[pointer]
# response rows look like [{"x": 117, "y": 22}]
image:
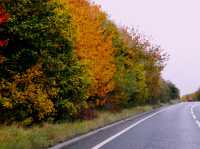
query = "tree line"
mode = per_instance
[
  {"x": 62, "y": 59},
  {"x": 195, "y": 96}
]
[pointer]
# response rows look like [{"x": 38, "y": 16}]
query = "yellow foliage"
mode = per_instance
[
  {"x": 28, "y": 89},
  {"x": 7, "y": 105}
]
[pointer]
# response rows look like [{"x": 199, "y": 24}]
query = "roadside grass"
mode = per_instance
[{"x": 39, "y": 137}]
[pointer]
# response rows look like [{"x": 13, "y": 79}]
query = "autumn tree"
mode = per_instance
[
  {"x": 94, "y": 47},
  {"x": 62, "y": 58},
  {"x": 40, "y": 75},
  {"x": 130, "y": 76},
  {"x": 195, "y": 96}
]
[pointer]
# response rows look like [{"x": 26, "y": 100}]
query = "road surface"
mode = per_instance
[{"x": 174, "y": 127}]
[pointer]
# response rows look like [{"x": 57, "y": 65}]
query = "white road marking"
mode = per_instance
[
  {"x": 198, "y": 123},
  {"x": 192, "y": 112},
  {"x": 125, "y": 130},
  {"x": 194, "y": 116}
]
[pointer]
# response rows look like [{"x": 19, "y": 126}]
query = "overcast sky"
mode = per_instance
[{"x": 172, "y": 24}]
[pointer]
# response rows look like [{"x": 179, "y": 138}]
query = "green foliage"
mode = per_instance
[
  {"x": 37, "y": 35},
  {"x": 130, "y": 75},
  {"x": 165, "y": 92},
  {"x": 168, "y": 91},
  {"x": 174, "y": 91}
]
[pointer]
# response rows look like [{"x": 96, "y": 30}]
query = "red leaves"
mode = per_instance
[
  {"x": 4, "y": 16},
  {"x": 3, "y": 43}
]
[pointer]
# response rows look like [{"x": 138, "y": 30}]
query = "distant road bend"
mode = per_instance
[{"x": 174, "y": 127}]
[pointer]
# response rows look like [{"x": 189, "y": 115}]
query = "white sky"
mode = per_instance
[{"x": 172, "y": 24}]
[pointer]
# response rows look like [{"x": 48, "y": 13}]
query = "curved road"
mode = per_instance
[{"x": 174, "y": 127}]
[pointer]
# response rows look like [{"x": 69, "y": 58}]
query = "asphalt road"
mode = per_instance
[{"x": 174, "y": 127}]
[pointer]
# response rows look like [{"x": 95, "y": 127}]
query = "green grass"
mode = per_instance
[{"x": 13, "y": 137}]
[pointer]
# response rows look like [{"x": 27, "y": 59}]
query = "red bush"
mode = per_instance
[
  {"x": 4, "y": 16},
  {"x": 3, "y": 43}
]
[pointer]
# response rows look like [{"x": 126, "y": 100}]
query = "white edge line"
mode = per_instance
[
  {"x": 125, "y": 130},
  {"x": 73, "y": 140}
]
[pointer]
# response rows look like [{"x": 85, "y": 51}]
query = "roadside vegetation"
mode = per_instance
[
  {"x": 192, "y": 97},
  {"x": 46, "y": 135},
  {"x": 64, "y": 61}
]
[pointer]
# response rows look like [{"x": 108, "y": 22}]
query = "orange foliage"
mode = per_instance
[{"x": 94, "y": 46}]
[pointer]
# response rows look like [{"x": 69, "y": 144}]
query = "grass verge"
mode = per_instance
[{"x": 37, "y": 137}]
